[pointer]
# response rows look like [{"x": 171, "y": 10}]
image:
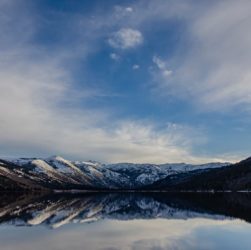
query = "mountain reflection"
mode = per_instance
[{"x": 57, "y": 210}]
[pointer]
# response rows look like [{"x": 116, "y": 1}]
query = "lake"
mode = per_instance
[{"x": 125, "y": 221}]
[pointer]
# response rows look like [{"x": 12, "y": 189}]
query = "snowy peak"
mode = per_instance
[
  {"x": 55, "y": 172},
  {"x": 55, "y": 158}
]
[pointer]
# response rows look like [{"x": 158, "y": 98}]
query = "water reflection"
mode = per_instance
[{"x": 54, "y": 211}]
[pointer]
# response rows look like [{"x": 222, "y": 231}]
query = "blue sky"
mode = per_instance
[{"x": 137, "y": 81}]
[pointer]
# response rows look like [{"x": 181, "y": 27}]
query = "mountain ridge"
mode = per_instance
[{"x": 57, "y": 173}]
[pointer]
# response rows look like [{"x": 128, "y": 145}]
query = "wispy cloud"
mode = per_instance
[
  {"x": 135, "y": 66},
  {"x": 222, "y": 55},
  {"x": 162, "y": 66},
  {"x": 114, "y": 56},
  {"x": 122, "y": 11},
  {"x": 213, "y": 71},
  {"x": 35, "y": 119}
]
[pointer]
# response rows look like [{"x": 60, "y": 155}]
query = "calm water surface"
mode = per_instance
[{"x": 125, "y": 221}]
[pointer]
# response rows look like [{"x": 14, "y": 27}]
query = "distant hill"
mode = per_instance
[{"x": 235, "y": 178}]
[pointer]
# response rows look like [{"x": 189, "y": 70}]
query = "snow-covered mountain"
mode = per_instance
[{"x": 58, "y": 173}]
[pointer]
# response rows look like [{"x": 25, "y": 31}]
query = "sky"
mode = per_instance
[{"x": 126, "y": 81}]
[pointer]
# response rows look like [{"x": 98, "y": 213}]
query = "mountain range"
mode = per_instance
[{"x": 58, "y": 174}]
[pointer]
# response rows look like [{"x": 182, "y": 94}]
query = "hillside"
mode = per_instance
[{"x": 235, "y": 177}]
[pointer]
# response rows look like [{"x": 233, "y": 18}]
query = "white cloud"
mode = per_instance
[
  {"x": 129, "y": 9},
  {"x": 114, "y": 56},
  {"x": 135, "y": 66},
  {"x": 122, "y": 11},
  {"x": 167, "y": 72},
  {"x": 125, "y": 38},
  {"x": 162, "y": 66}
]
